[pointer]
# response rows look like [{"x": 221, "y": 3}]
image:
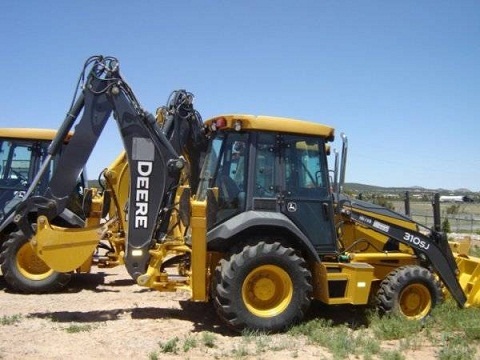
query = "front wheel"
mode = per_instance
[
  {"x": 24, "y": 271},
  {"x": 410, "y": 291},
  {"x": 264, "y": 287}
]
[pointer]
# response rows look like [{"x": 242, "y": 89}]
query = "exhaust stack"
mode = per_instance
[{"x": 343, "y": 165}]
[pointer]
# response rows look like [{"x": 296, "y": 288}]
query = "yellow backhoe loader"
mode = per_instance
[
  {"x": 22, "y": 152},
  {"x": 260, "y": 230}
]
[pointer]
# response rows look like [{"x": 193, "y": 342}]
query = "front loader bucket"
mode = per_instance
[{"x": 469, "y": 278}]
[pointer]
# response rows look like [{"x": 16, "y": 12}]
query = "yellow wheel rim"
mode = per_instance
[
  {"x": 30, "y": 265},
  {"x": 415, "y": 301},
  {"x": 267, "y": 291}
]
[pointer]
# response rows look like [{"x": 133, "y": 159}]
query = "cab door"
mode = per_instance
[{"x": 306, "y": 197}]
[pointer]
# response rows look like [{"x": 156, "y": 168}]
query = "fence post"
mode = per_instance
[
  {"x": 407, "y": 203},
  {"x": 437, "y": 222}
]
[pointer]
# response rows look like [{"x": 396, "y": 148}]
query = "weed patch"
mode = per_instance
[
  {"x": 10, "y": 320},
  {"x": 76, "y": 328}
]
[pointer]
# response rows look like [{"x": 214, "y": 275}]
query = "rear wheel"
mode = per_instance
[
  {"x": 410, "y": 291},
  {"x": 24, "y": 271},
  {"x": 264, "y": 287}
]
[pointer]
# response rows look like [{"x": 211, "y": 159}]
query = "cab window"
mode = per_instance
[
  {"x": 304, "y": 166},
  {"x": 231, "y": 176}
]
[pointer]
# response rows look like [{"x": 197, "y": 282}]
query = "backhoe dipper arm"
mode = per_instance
[
  {"x": 154, "y": 163},
  {"x": 434, "y": 248}
]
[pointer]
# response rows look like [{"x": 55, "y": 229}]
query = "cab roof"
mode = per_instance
[{"x": 273, "y": 123}]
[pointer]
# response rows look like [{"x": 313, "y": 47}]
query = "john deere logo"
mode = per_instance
[{"x": 291, "y": 207}]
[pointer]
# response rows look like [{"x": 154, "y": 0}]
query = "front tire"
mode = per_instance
[
  {"x": 25, "y": 272},
  {"x": 264, "y": 287},
  {"x": 409, "y": 291}
]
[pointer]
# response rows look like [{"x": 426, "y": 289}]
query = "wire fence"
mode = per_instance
[
  {"x": 460, "y": 223},
  {"x": 466, "y": 219}
]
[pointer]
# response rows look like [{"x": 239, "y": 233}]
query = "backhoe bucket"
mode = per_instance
[{"x": 64, "y": 249}]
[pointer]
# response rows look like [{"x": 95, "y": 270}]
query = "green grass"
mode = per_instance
[
  {"x": 153, "y": 356},
  {"x": 189, "y": 343},
  {"x": 392, "y": 355},
  {"x": 170, "y": 346},
  {"x": 454, "y": 332},
  {"x": 340, "y": 340},
  {"x": 454, "y": 347},
  {"x": 208, "y": 339},
  {"x": 76, "y": 328},
  {"x": 392, "y": 327},
  {"x": 10, "y": 320}
]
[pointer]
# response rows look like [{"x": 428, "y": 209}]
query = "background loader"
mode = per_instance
[
  {"x": 22, "y": 152},
  {"x": 260, "y": 231}
]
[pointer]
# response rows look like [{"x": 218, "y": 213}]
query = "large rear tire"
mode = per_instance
[
  {"x": 409, "y": 291},
  {"x": 25, "y": 272},
  {"x": 264, "y": 287}
]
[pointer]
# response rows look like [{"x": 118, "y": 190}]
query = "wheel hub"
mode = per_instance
[
  {"x": 415, "y": 301},
  {"x": 267, "y": 291}
]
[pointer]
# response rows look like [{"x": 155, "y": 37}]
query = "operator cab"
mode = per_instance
[
  {"x": 22, "y": 151},
  {"x": 269, "y": 168}
]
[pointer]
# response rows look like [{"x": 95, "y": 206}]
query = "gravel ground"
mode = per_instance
[{"x": 106, "y": 315}]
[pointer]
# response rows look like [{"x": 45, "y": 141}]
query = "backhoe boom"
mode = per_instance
[{"x": 154, "y": 156}]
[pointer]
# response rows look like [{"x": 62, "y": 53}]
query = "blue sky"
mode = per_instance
[{"x": 400, "y": 78}]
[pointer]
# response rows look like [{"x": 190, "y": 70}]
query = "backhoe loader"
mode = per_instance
[
  {"x": 261, "y": 231},
  {"x": 21, "y": 154}
]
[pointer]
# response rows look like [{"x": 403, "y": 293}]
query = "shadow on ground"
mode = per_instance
[{"x": 202, "y": 316}]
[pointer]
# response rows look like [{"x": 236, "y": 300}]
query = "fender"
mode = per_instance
[{"x": 217, "y": 238}]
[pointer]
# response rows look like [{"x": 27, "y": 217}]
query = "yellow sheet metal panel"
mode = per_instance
[
  {"x": 273, "y": 123},
  {"x": 354, "y": 282},
  {"x": 29, "y": 133}
]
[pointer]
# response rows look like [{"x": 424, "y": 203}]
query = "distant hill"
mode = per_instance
[
  {"x": 357, "y": 187},
  {"x": 364, "y": 188}
]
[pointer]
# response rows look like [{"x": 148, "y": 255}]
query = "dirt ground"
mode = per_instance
[{"x": 106, "y": 315}]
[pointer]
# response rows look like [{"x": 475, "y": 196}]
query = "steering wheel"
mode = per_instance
[{"x": 19, "y": 175}]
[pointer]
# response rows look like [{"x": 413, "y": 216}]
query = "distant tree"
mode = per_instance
[
  {"x": 446, "y": 226},
  {"x": 453, "y": 209},
  {"x": 383, "y": 202}
]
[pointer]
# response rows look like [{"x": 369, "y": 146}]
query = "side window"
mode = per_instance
[
  {"x": 15, "y": 159},
  {"x": 305, "y": 168},
  {"x": 265, "y": 166},
  {"x": 20, "y": 163}
]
